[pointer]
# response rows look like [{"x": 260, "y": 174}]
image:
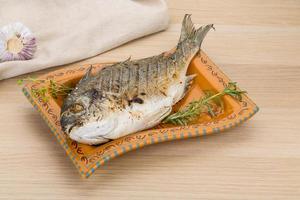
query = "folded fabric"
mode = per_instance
[{"x": 67, "y": 31}]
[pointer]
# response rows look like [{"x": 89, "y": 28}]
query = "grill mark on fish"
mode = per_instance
[
  {"x": 167, "y": 69},
  {"x": 147, "y": 75},
  {"x": 125, "y": 78},
  {"x": 132, "y": 80},
  {"x": 137, "y": 78},
  {"x": 171, "y": 68},
  {"x": 182, "y": 50},
  {"x": 180, "y": 60},
  {"x": 120, "y": 78},
  {"x": 163, "y": 74},
  {"x": 150, "y": 76},
  {"x": 163, "y": 71},
  {"x": 157, "y": 73},
  {"x": 106, "y": 79},
  {"x": 115, "y": 80},
  {"x": 172, "y": 65},
  {"x": 142, "y": 77},
  {"x": 110, "y": 80},
  {"x": 140, "y": 80},
  {"x": 99, "y": 83}
]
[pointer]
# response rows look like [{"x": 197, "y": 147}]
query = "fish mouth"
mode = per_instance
[
  {"x": 67, "y": 123},
  {"x": 66, "y": 127}
]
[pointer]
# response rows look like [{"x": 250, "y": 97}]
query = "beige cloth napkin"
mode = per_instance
[{"x": 69, "y": 31}]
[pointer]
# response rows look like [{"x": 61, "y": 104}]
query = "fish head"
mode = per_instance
[
  {"x": 86, "y": 117},
  {"x": 74, "y": 112},
  {"x": 76, "y": 105}
]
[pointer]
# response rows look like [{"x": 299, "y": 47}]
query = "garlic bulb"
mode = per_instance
[{"x": 16, "y": 43}]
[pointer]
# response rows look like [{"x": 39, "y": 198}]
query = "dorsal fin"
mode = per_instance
[
  {"x": 128, "y": 59},
  {"x": 87, "y": 75},
  {"x": 122, "y": 62},
  {"x": 187, "y": 29}
]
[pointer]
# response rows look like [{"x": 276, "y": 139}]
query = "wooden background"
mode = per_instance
[{"x": 257, "y": 43}]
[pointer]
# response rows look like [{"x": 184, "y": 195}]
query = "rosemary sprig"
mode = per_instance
[
  {"x": 205, "y": 104},
  {"x": 54, "y": 89}
]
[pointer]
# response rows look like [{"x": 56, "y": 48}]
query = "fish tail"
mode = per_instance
[
  {"x": 188, "y": 31},
  {"x": 201, "y": 33}
]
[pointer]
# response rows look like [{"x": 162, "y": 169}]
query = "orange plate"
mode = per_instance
[{"x": 88, "y": 158}]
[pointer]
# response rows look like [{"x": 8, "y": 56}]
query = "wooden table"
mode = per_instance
[{"x": 257, "y": 43}]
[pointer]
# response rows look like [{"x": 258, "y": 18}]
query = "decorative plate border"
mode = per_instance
[{"x": 87, "y": 163}]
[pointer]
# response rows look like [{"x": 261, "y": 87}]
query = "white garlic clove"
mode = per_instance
[{"x": 16, "y": 43}]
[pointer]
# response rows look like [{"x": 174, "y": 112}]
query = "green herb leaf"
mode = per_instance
[
  {"x": 55, "y": 89},
  {"x": 20, "y": 81},
  {"x": 195, "y": 108}
]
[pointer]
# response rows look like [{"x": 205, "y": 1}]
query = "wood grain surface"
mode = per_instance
[{"x": 257, "y": 44}]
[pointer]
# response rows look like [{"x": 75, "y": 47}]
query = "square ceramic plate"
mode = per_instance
[{"x": 88, "y": 158}]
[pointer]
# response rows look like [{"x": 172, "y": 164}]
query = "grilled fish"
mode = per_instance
[{"x": 131, "y": 95}]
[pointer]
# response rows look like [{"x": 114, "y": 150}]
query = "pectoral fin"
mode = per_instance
[
  {"x": 158, "y": 116},
  {"x": 188, "y": 83}
]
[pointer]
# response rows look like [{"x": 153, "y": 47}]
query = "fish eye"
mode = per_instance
[{"x": 76, "y": 108}]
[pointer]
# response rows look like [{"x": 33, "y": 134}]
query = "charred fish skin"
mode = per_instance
[{"x": 132, "y": 95}]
